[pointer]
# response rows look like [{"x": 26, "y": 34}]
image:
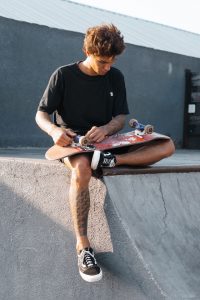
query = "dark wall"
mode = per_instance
[
  {"x": 29, "y": 53},
  {"x": 156, "y": 87}
]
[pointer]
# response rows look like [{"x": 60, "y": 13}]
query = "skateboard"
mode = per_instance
[{"x": 141, "y": 134}]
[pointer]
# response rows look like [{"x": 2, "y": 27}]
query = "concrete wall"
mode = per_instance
[
  {"x": 37, "y": 245},
  {"x": 144, "y": 229},
  {"x": 29, "y": 53}
]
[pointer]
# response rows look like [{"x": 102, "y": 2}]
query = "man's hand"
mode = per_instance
[
  {"x": 96, "y": 134},
  {"x": 61, "y": 136}
]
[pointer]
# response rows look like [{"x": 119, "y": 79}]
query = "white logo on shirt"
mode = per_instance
[{"x": 111, "y": 94}]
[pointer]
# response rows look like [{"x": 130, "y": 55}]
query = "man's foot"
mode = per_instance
[
  {"x": 102, "y": 159},
  {"x": 88, "y": 268}
]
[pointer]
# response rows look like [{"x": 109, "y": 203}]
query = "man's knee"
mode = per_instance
[
  {"x": 168, "y": 148},
  {"x": 81, "y": 171}
]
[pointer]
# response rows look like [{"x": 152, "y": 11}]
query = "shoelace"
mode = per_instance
[{"x": 89, "y": 259}]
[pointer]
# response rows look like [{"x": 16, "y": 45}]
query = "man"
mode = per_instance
[{"x": 89, "y": 98}]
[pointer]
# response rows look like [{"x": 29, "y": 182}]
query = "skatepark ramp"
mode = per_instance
[
  {"x": 144, "y": 227},
  {"x": 161, "y": 216}
]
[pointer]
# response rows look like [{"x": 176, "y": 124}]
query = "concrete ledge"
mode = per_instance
[
  {"x": 181, "y": 161},
  {"x": 139, "y": 225},
  {"x": 37, "y": 246},
  {"x": 125, "y": 170}
]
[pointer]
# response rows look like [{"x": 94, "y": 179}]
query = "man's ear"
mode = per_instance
[{"x": 87, "y": 53}]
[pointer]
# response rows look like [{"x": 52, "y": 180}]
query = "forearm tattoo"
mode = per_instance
[{"x": 80, "y": 205}]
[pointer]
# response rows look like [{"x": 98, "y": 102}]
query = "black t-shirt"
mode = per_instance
[{"x": 81, "y": 101}]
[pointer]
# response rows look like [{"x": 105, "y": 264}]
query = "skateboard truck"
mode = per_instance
[
  {"x": 139, "y": 128},
  {"x": 83, "y": 142}
]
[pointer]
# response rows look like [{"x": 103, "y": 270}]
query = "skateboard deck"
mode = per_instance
[{"x": 112, "y": 142}]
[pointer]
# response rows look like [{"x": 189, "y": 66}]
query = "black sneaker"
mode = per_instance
[
  {"x": 88, "y": 268},
  {"x": 102, "y": 159}
]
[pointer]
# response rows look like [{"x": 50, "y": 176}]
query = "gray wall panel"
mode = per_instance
[{"x": 29, "y": 53}]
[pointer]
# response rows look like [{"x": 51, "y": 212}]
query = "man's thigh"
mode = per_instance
[{"x": 75, "y": 160}]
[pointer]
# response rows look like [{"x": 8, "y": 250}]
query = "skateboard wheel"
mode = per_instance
[
  {"x": 148, "y": 129},
  {"x": 83, "y": 141},
  {"x": 133, "y": 123}
]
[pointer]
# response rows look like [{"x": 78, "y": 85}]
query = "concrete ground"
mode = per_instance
[{"x": 144, "y": 226}]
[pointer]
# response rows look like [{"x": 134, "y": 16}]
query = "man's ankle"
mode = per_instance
[
  {"x": 79, "y": 249},
  {"x": 82, "y": 245}
]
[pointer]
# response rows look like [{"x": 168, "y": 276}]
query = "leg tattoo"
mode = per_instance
[{"x": 80, "y": 204}]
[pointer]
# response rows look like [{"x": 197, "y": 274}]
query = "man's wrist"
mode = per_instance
[
  {"x": 106, "y": 130},
  {"x": 110, "y": 129}
]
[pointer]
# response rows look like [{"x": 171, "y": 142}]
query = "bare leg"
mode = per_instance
[
  {"x": 147, "y": 155},
  {"x": 79, "y": 198}
]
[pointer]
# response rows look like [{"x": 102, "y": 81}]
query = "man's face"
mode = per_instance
[{"x": 100, "y": 64}]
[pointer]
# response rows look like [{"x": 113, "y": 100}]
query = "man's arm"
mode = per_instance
[
  {"x": 98, "y": 134},
  {"x": 115, "y": 125},
  {"x": 60, "y": 136}
]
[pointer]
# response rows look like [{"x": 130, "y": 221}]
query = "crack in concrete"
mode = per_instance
[
  {"x": 164, "y": 205},
  {"x": 179, "y": 189}
]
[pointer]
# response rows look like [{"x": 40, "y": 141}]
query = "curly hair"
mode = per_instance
[{"x": 104, "y": 40}]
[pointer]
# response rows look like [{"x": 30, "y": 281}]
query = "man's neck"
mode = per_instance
[{"x": 85, "y": 67}]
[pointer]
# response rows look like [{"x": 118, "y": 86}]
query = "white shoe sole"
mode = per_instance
[
  {"x": 91, "y": 278},
  {"x": 95, "y": 159}
]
